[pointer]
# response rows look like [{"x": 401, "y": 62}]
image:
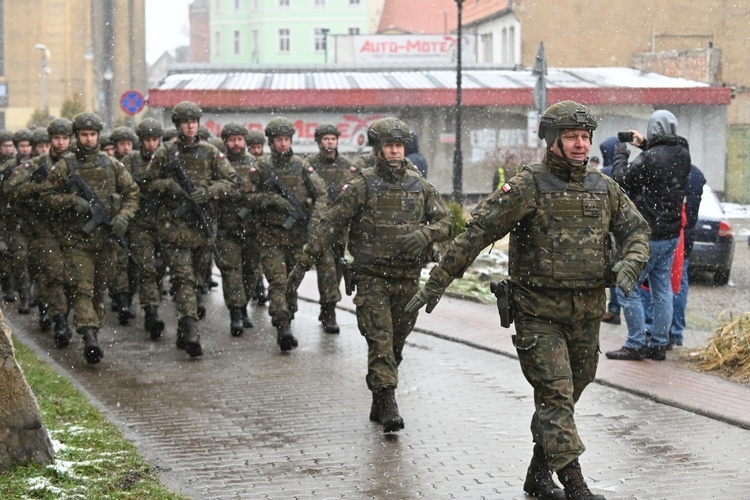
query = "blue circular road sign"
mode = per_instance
[{"x": 132, "y": 102}]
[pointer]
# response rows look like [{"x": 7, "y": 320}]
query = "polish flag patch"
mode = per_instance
[{"x": 506, "y": 188}]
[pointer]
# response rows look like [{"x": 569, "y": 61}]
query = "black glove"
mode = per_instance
[{"x": 627, "y": 275}]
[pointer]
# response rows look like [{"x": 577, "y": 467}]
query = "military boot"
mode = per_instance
[
  {"x": 539, "y": 482},
  {"x": 575, "y": 487},
  {"x": 188, "y": 337},
  {"x": 284, "y": 335},
  {"x": 153, "y": 325},
  {"x": 24, "y": 307},
  {"x": 9, "y": 295},
  {"x": 123, "y": 309},
  {"x": 235, "y": 321},
  {"x": 45, "y": 322},
  {"x": 389, "y": 416},
  {"x": 246, "y": 323},
  {"x": 201, "y": 306},
  {"x": 260, "y": 292},
  {"x": 327, "y": 317},
  {"x": 62, "y": 331},
  {"x": 375, "y": 409},
  {"x": 91, "y": 350}
]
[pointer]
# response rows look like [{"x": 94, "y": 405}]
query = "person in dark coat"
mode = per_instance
[{"x": 413, "y": 154}]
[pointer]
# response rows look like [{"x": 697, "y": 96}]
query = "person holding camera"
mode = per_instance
[
  {"x": 561, "y": 215},
  {"x": 656, "y": 181}
]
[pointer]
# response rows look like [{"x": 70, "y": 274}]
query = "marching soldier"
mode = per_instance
[{"x": 96, "y": 197}]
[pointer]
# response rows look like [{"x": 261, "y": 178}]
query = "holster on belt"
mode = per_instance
[{"x": 504, "y": 293}]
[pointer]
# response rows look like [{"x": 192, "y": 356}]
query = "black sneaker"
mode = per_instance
[
  {"x": 627, "y": 354},
  {"x": 657, "y": 353}
]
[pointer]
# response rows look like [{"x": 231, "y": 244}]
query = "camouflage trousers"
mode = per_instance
[
  {"x": 46, "y": 263},
  {"x": 384, "y": 324},
  {"x": 329, "y": 277},
  {"x": 186, "y": 265},
  {"x": 238, "y": 261},
  {"x": 88, "y": 270},
  {"x": 18, "y": 249},
  {"x": 144, "y": 243},
  {"x": 559, "y": 359},
  {"x": 277, "y": 261},
  {"x": 120, "y": 281}
]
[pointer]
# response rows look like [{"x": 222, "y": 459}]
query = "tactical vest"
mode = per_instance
[
  {"x": 293, "y": 177},
  {"x": 334, "y": 173},
  {"x": 392, "y": 210},
  {"x": 229, "y": 208},
  {"x": 100, "y": 177},
  {"x": 566, "y": 242}
]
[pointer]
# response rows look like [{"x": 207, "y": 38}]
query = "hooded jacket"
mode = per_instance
[
  {"x": 415, "y": 156},
  {"x": 656, "y": 179}
]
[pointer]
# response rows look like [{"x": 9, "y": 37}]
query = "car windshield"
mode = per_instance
[{"x": 710, "y": 207}]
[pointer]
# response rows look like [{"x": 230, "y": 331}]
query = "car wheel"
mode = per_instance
[{"x": 721, "y": 278}]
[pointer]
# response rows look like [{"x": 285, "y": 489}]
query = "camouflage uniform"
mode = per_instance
[
  {"x": 184, "y": 241},
  {"x": 46, "y": 257},
  {"x": 559, "y": 215},
  {"x": 335, "y": 172},
  {"x": 280, "y": 247},
  {"x": 6, "y": 267},
  {"x": 88, "y": 259},
  {"x": 383, "y": 207}
]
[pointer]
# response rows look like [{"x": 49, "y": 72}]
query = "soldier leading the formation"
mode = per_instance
[
  {"x": 190, "y": 175},
  {"x": 394, "y": 216},
  {"x": 335, "y": 170},
  {"x": 561, "y": 216},
  {"x": 97, "y": 197}
]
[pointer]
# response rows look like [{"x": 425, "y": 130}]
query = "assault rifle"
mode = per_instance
[
  {"x": 298, "y": 211},
  {"x": 99, "y": 214},
  {"x": 180, "y": 176}
]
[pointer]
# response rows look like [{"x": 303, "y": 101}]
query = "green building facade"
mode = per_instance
[{"x": 281, "y": 31}]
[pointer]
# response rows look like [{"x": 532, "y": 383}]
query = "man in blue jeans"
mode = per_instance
[{"x": 656, "y": 181}]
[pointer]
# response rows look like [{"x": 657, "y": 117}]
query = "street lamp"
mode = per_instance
[
  {"x": 458, "y": 166},
  {"x": 45, "y": 71},
  {"x": 107, "y": 76}
]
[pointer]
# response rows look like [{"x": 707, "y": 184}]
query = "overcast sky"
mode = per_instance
[{"x": 166, "y": 26}]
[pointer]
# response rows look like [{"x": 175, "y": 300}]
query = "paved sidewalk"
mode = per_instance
[{"x": 478, "y": 325}]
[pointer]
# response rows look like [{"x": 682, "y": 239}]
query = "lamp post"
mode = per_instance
[
  {"x": 107, "y": 76},
  {"x": 45, "y": 71},
  {"x": 458, "y": 167}
]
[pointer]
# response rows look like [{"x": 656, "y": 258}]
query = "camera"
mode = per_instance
[{"x": 625, "y": 136}]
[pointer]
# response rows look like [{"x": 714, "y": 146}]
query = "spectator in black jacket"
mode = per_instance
[
  {"x": 413, "y": 154},
  {"x": 656, "y": 181}
]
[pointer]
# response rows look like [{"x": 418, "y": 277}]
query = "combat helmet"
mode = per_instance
[
  {"x": 21, "y": 135},
  {"x": 39, "y": 136},
  {"x": 60, "y": 126},
  {"x": 254, "y": 137},
  {"x": 105, "y": 140},
  {"x": 565, "y": 115},
  {"x": 387, "y": 130},
  {"x": 204, "y": 134},
  {"x": 149, "y": 127},
  {"x": 326, "y": 129},
  {"x": 123, "y": 133},
  {"x": 279, "y": 126},
  {"x": 87, "y": 121},
  {"x": 185, "y": 111},
  {"x": 233, "y": 128}
]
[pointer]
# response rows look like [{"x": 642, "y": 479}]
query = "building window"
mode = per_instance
[
  {"x": 284, "y": 40},
  {"x": 504, "y": 47},
  {"x": 237, "y": 4},
  {"x": 512, "y": 45},
  {"x": 255, "y": 57},
  {"x": 319, "y": 3},
  {"x": 354, "y": 31},
  {"x": 486, "y": 40},
  {"x": 284, "y": 3},
  {"x": 217, "y": 43},
  {"x": 236, "y": 42},
  {"x": 255, "y": 4},
  {"x": 217, "y": 6},
  {"x": 319, "y": 39},
  {"x": 354, "y": 3}
]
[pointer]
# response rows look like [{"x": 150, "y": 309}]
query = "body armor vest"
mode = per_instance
[
  {"x": 392, "y": 210},
  {"x": 566, "y": 242},
  {"x": 335, "y": 172},
  {"x": 229, "y": 207},
  {"x": 292, "y": 176}
]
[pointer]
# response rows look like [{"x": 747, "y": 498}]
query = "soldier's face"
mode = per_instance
[
  {"x": 24, "y": 149},
  {"x": 236, "y": 144},
  {"x": 109, "y": 149},
  {"x": 149, "y": 144},
  {"x": 41, "y": 148},
  {"x": 328, "y": 143},
  {"x": 282, "y": 143},
  {"x": 7, "y": 148},
  {"x": 88, "y": 139},
  {"x": 393, "y": 153},
  {"x": 576, "y": 144},
  {"x": 256, "y": 150},
  {"x": 60, "y": 144},
  {"x": 189, "y": 128},
  {"x": 124, "y": 147}
]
